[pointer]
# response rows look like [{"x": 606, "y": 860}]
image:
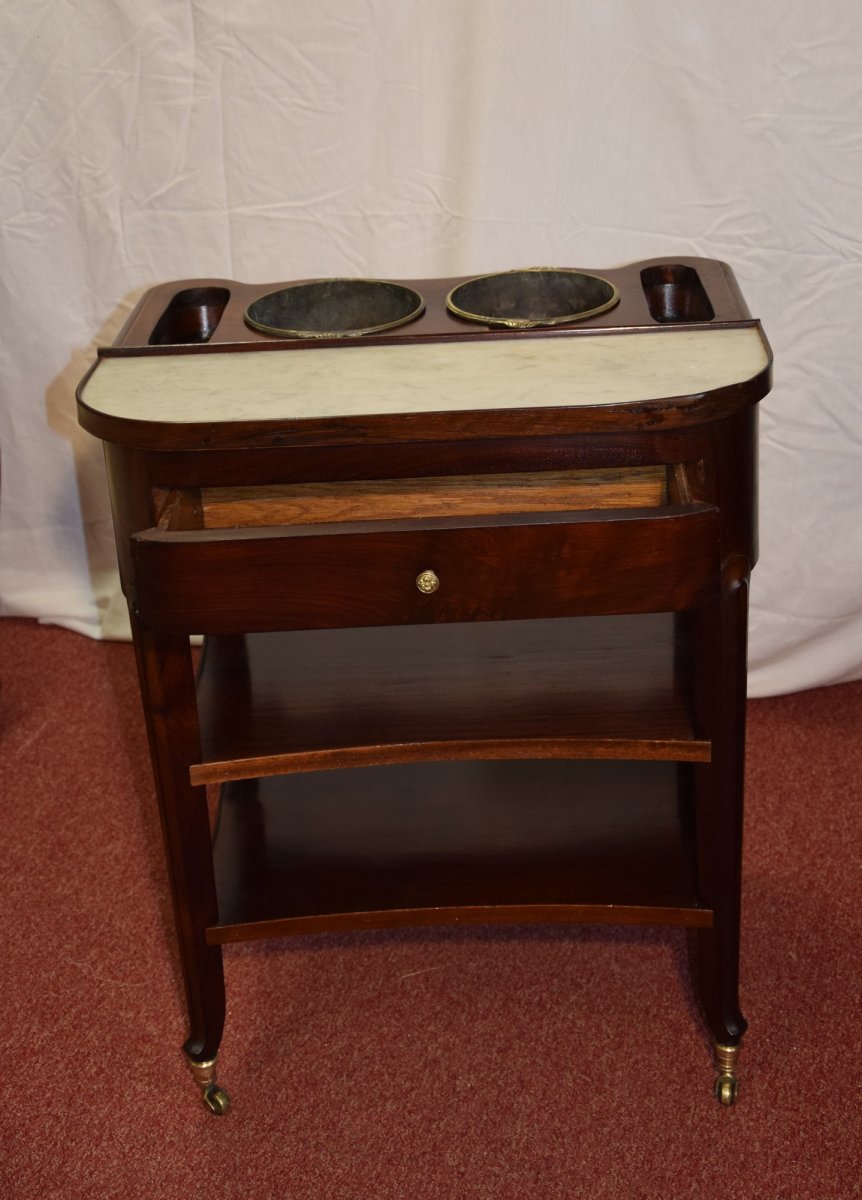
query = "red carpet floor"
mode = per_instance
[{"x": 504, "y": 1062}]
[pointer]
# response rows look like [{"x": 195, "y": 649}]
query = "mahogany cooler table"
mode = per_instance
[{"x": 474, "y": 601}]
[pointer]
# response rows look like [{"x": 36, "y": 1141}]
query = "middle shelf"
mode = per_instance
[{"x": 586, "y": 687}]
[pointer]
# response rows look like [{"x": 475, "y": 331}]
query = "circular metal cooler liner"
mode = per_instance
[
  {"x": 329, "y": 308},
  {"x": 528, "y": 299}
]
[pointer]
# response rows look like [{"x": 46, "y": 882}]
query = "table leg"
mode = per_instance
[
  {"x": 721, "y": 657},
  {"x": 168, "y": 693}
]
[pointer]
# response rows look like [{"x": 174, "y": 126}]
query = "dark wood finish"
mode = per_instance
[
  {"x": 167, "y": 690},
  {"x": 395, "y": 845},
  {"x": 476, "y": 454},
  {"x": 599, "y": 687},
  {"x": 493, "y": 914},
  {"x": 691, "y": 278},
  {"x": 328, "y": 577},
  {"x": 675, "y": 294},
  {"x": 191, "y": 317},
  {"x": 504, "y": 713},
  {"x": 721, "y": 639}
]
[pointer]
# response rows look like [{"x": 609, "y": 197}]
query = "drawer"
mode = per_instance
[{"x": 424, "y": 571}]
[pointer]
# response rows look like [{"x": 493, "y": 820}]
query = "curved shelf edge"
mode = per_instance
[
  {"x": 502, "y": 914},
  {"x": 641, "y": 750}
]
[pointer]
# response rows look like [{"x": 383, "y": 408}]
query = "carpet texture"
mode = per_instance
[{"x": 492, "y": 1062}]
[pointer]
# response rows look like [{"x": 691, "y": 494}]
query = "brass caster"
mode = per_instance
[
  {"x": 726, "y": 1087},
  {"x": 217, "y": 1100},
  {"x": 725, "y": 1090},
  {"x": 214, "y": 1097}
]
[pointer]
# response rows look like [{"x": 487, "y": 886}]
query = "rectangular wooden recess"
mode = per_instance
[{"x": 372, "y": 500}]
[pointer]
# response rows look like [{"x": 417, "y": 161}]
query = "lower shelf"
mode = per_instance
[{"x": 456, "y": 842}]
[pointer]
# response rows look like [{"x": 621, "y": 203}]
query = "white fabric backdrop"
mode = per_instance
[{"x": 271, "y": 140}]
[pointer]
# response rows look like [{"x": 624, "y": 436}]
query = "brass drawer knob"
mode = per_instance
[{"x": 427, "y": 582}]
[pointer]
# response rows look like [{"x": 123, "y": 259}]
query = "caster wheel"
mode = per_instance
[
  {"x": 726, "y": 1089},
  {"x": 217, "y": 1100}
]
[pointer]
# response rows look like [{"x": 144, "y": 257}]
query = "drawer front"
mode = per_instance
[{"x": 420, "y": 572}]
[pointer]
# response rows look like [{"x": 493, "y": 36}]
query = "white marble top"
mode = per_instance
[{"x": 609, "y": 368}]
